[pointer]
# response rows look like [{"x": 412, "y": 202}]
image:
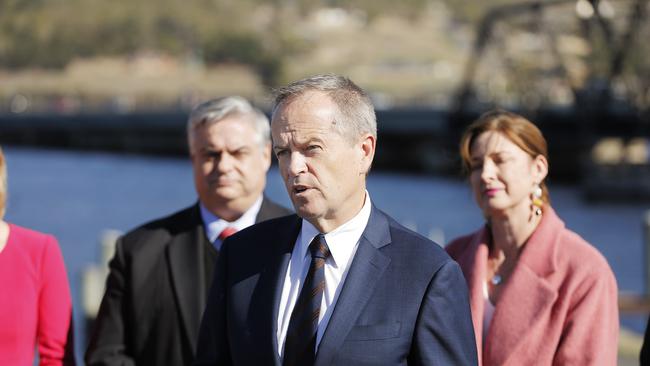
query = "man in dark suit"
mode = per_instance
[
  {"x": 341, "y": 283},
  {"x": 161, "y": 272}
]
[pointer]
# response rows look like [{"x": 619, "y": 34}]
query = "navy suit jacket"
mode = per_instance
[{"x": 404, "y": 301}]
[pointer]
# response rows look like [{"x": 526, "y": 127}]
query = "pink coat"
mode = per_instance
[
  {"x": 559, "y": 307},
  {"x": 35, "y": 302}
]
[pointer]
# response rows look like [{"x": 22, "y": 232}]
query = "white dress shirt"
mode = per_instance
[
  {"x": 214, "y": 225},
  {"x": 343, "y": 243}
]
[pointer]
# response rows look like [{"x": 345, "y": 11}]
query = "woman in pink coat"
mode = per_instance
[
  {"x": 539, "y": 293},
  {"x": 35, "y": 302}
]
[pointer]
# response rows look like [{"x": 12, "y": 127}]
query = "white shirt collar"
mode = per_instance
[
  {"x": 342, "y": 240},
  {"x": 214, "y": 225}
]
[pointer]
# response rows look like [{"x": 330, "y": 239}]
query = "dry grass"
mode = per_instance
[
  {"x": 403, "y": 61},
  {"x": 148, "y": 80},
  {"x": 400, "y": 61}
]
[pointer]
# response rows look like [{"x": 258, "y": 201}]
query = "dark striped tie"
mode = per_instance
[{"x": 300, "y": 344}]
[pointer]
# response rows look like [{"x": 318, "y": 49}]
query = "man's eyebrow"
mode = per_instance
[
  {"x": 240, "y": 147},
  {"x": 208, "y": 149},
  {"x": 314, "y": 139}
]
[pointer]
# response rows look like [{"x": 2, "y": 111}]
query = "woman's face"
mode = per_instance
[{"x": 503, "y": 175}]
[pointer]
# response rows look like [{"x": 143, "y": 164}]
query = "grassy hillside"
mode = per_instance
[{"x": 122, "y": 54}]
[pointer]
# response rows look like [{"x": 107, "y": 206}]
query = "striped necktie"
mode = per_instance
[{"x": 300, "y": 344}]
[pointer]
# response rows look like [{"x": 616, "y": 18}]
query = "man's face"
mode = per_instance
[
  {"x": 229, "y": 165},
  {"x": 323, "y": 171}
]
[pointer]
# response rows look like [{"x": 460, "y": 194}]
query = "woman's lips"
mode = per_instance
[{"x": 491, "y": 192}]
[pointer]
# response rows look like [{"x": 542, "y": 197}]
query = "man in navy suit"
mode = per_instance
[{"x": 340, "y": 283}]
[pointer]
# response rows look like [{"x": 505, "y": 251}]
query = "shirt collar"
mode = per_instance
[
  {"x": 214, "y": 225},
  {"x": 341, "y": 241}
]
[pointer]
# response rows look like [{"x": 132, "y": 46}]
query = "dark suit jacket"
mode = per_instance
[
  {"x": 404, "y": 301},
  {"x": 156, "y": 292},
  {"x": 644, "y": 357}
]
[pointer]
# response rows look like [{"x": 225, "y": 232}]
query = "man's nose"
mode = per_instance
[
  {"x": 225, "y": 162},
  {"x": 297, "y": 164}
]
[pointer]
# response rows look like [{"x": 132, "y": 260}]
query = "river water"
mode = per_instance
[{"x": 77, "y": 195}]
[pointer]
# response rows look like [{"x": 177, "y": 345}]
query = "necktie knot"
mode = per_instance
[
  {"x": 227, "y": 232},
  {"x": 318, "y": 247}
]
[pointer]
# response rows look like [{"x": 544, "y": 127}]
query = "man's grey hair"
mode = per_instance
[
  {"x": 357, "y": 114},
  {"x": 215, "y": 110}
]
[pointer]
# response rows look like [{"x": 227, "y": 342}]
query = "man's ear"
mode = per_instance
[{"x": 367, "y": 146}]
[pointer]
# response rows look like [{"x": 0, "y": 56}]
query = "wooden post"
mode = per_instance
[{"x": 93, "y": 279}]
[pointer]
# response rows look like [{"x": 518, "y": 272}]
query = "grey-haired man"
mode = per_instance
[
  {"x": 340, "y": 282},
  {"x": 161, "y": 272}
]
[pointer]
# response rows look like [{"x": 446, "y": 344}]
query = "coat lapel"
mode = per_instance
[
  {"x": 269, "y": 289},
  {"x": 527, "y": 297},
  {"x": 270, "y": 210},
  {"x": 525, "y": 301},
  {"x": 474, "y": 261},
  {"x": 364, "y": 273},
  {"x": 185, "y": 257}
]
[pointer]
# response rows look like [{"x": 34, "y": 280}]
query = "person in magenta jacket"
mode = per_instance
[
  {"x": 539, "y": 293},
  {"x": 35, "y": 302}
]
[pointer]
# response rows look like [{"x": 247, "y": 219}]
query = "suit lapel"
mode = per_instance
[
  {"x": 364, "y": 273},
  {"x": 270, "y": 210},
  {"x": 185, "y": 257},
  {"x": 269, "y": 288}
]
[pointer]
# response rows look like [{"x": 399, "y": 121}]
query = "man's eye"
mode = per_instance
[
  {"x": 240, "y": 153},
  {"x": 211, "y": 155}
]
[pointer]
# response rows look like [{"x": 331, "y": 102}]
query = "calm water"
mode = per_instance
[{"x": 75, "y": 196}]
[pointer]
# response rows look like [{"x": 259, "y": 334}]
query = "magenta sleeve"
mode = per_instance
[{"x": 54, "y": 337}]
